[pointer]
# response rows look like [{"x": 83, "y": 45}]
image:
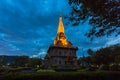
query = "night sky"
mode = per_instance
[{"x": 28, "y": 27}]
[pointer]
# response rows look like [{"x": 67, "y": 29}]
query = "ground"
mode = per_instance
[{"x": 53, "y": 75}]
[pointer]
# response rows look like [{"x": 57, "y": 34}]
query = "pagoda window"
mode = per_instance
[
  {"x": 73, "y": 51},
  {"x": 60, "y": 62},
  {"x": 55, "y": 51},
  {"x": 55, "y": 61},
  {"x": 60, "y": 53},
  {"x": 65, "y": 52},
  {"x": 70, "y": 54}
]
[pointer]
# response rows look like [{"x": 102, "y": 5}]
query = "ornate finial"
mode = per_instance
[{"x": 60, "y": 13}]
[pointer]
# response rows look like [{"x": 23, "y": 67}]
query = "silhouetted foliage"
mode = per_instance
[
  {"x": 104, "y": 67},
  {"x": 103, "y": 15},
  {"x": 115, "y": 67},
  {"x": 3, "y": 60},
  {"x": 90, "y": 51},
  {"x": 107, "y": 55},
  {"x": 34, "y": 62},
  {"x": 21, "y": 61}
]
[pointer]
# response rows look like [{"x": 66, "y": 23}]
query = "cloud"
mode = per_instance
[
  {"x": 113, "y": 41},
  {"x": 41, "y": 54}
]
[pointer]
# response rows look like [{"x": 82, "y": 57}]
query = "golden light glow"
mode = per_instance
[
  {"x": 60, "y": 26},
  {"x": 61, "y": 38}
]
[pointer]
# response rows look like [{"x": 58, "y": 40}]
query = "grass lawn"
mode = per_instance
[{"x": 53, "y": 75}]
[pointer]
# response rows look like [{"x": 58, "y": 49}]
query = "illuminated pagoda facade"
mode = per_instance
[{"x": 62, "y": 52}]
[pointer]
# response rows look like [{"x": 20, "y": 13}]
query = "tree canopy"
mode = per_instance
[
  {"x": 103, "y": 15},
  {"x": 107, "y": 56},
  {"x": 21, "y": 61}
]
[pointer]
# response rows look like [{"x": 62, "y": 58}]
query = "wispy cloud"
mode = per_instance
[{"x": 113, "y": 41}]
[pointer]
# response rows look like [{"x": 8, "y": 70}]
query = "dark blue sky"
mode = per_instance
[{"x": 28, "y": 27}]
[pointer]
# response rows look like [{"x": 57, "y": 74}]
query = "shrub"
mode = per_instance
[
  {"x": 104, "y": 67},
  {"x": 54, "y": 66},
  {"x": 91, "y": 68},
  {"x": 44, "y": 70},
  {"x": 2, "y": 69},
  {"x": 114, "y": 67}
]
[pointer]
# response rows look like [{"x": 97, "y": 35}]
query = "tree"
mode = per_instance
[
  {"x": 33, "y": 62},
  {"x": 108, "y": 55},
  {"x": 21, "y": 61},
  {"x": 103, "y": 15},
  {"x": 90, "y": 52},
  {"x": 102, "y": 56},
  {"x": 3, "y": 60}
]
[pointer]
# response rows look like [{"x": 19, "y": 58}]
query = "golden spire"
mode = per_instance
[
  {"x": 60, "y": 26},
  {"x": 61, "y": 39}
]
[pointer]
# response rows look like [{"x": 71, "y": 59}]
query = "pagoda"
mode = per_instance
[{"x": 62, "y": 52}]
